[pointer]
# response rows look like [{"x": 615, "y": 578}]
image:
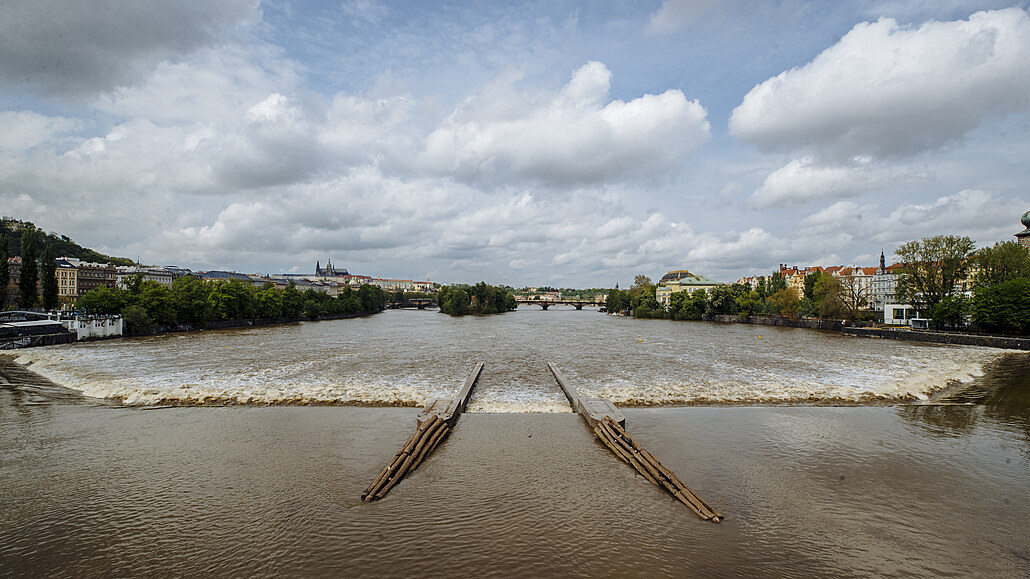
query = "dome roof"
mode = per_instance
[{"x": 1025, "y": 220}]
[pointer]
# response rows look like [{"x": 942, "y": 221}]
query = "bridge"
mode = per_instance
[
  {"x": 578, "y": 304},
  {"x": 418, "y": 303}
]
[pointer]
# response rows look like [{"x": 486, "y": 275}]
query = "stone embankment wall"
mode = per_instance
[
  {"x": 775, "y": 321},
  {"x": 1012, "y": 343}
]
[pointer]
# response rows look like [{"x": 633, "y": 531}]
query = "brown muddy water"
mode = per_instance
[{"x": 935, "y": 487}]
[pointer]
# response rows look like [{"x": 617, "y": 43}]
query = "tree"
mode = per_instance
[
  {"x": 158, "y": 302},
  {"x": 853, "y": 295},
  {"x": 5, "y": 273},
  {"x": 932, "y": 267},
  {"x": 786, "y": 303},
  {"x": 810, "y": 280},
  {"x": 136, "y": 318},
  {"x": 1004, "y": 306},
  {"x": 48, "y": 271},
  {"x": 827, "y": 297},
  {"x": 641, "y": 281},
  {"x": 28, "y": 284},
  {"x": 748, "y": 304},
  {"x": 723, "y": 299},
  {"x": 104, "y": 301},
  {"x": 688, "y": 306},
  {"x": 192, "y": 305},
  {"x": 1005, "y": 261}
]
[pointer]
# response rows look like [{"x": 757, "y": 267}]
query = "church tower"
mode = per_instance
[{"x": 1024, "y": 236}]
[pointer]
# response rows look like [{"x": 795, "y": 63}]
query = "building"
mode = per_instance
[
  {"x": 681, "y": 280},
  {"x": 393, "y": 284},
  {"x": 328, "y": 270},
  {"x": 14, "y": 276},
  {"x": 1023, "y": 237},
  {"x": 155, "y": 274},
  {"x": 90, "y": 276},
  {"x": 67, "y": 283},
  {"x": 885, "y": 283}
]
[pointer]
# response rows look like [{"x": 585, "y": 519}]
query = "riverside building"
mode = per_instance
[{"x": 679, "y": 280}]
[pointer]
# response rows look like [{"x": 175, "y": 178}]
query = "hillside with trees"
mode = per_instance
[{"x": 63, "y": 246}]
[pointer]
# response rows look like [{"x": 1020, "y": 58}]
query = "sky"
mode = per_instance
[{"x": 571, "y": 144}]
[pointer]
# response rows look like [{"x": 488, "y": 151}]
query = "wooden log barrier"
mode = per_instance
[
  {"x": 425, "y": 438},
  {"x": 434, "y": 423},
  {"x": 626, "y": 448},
  {"x": 608, "y": 424}
]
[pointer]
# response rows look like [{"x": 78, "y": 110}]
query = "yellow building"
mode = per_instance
[
  {"x": 680, "y": 280},
  {"x": 67, "y": 283}
]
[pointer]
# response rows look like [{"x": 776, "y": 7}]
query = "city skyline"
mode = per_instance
[{"x": 566, "y": 144}]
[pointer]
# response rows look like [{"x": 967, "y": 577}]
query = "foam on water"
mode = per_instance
[{"x": 408, "y": 359}]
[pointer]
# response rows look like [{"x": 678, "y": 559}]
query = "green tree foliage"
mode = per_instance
[
  {"x": 190, "y": 296},
  {"x": 684, "y": 306},
  {"x": 62, "y": 244},
  {"x": 480, "y": 299},
  {"x": 194, "y": 301},
  {"x": 785, "y": 303},
  {"x": 1005, "y": 261},
  {"x": 617, "y": 301},
  {"x": 28, "y": 284},
  {"x": 5, "y": 273},
  {"x": 48, "y": 273},
  {"x": 933, "y": 266},
  {"x": 748, "y": 303},
  {"x": 810, "y": 281},
  {"x": 723, "y": 299},
  {"x": 1004, "y": 306},
  {"x": 136, "y": 318},
  {"x": 104, "y": 301},
  {"x": 827, "y": 298}
]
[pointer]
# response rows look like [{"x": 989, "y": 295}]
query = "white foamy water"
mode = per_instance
[{"x": 406, "y": 358}]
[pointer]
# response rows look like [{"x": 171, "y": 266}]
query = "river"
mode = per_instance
[{"x": 245, "y": 452}]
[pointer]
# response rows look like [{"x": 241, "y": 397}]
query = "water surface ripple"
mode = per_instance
[{"x": 406, "y": 358}]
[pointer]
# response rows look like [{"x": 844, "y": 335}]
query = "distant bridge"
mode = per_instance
[
  {"x": 418, "y": 303},
  {"x": 578, "y": 304}
]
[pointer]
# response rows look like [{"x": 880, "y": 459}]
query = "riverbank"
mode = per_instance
[
  {"x": 1006, "y": 342},
  {"x": 246, "y": 323},
  {"x": 810, "y": 323}
]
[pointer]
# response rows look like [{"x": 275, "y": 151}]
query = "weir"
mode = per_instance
[
  {"x": 609, "y": 425},
  {"x": 433, "y": 424}
]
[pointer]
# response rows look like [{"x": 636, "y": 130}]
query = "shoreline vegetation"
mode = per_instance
[
  {"x": 481, "y": 299},
  {"x": 191, "y": 303},
  {"x": 944, "y": 277}
]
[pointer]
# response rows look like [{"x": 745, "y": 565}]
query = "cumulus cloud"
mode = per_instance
[
  {"x": 65, "y": 48},
  {"x": 804, "y": 180},
  {"x": 571, "y": 137},
  {"x": 24, "y": 130},
  {"x": 983, "y": 215},
  {"x": 887, "y": 90},
  {"x": 673, "y": 14}
]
